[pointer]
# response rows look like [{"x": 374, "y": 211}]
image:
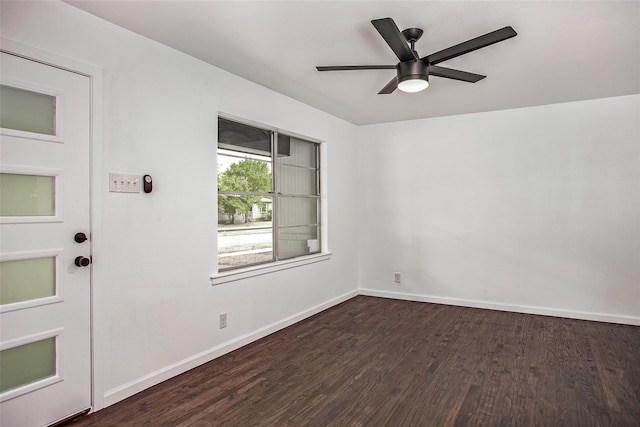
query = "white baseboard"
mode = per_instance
[
  {"x": 129, "y": 389},
  {"x": 581, "y": 315}
]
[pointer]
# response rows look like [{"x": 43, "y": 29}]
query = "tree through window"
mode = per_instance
[{"x": 268, "y": 204}]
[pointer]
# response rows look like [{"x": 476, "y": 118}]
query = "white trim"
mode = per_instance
[
  {"x": 14, "y": 133},
  {"x": 543, "y": 311},
  {"x": 259, "y": 270},
  {"x": 96, "y": 87},
  {"x": 34, "y": 54},
  {"x": 22, "y": 305},
  {"x": 324, "y": 198},
  {"x": 129, "y": 389},
  {"x": 28, "y": 339},
  {"x": 18, "y": 256}
]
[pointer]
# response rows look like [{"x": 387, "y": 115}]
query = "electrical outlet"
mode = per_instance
[
  {"x": 397, "y": 277},
  {"x": 223, "y": 320}
]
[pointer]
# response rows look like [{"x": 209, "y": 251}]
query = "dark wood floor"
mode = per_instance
[{"x": 382, "y": 362}]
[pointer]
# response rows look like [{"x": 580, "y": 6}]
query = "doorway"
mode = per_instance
[{"x": 45, "y": 250}]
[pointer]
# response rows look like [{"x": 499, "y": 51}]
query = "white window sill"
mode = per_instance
[{"x": 259, "y": 270}]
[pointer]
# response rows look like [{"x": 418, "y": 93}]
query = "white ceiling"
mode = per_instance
[{"x": 564, "y": 50}]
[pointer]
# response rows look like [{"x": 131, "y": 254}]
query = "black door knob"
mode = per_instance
[
  {"x": 80, "y": 237},
  {"x": 81, "y": 261}
]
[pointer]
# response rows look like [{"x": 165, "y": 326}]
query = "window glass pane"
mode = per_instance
[
  {"x": 297, "y": 171},
  {"x": 243, "y": 174},
  {"x": 226, "y": 157},
  {"x": 29, "y": 111},
  {"x": 246, "y": 176},
  {"x": 27, "y": 279},
  {"x": 27, "y": 195},
  {"x": 300, "y": 152},
  {"x": 244, "y": 246},
  {"x": 297, "y": 180},
  {"x": 284, "y": 145},
  {"x": 297, "y": 211},
  {"x": 244, "y": 211},
  {"x": 243, "y": 138},
  {"x": 26, "y": 364},
  {"x": 296, "y": 241},
  {"x": 249, "y": 238}
]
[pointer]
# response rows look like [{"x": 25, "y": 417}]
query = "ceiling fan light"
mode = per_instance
[
  {"x": 413, "y": 76},
  {"x": 413, "y": 85}
]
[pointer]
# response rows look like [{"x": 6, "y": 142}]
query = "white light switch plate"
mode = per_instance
[{"x": 124, "y": 183}]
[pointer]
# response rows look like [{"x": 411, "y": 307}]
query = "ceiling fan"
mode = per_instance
[{"x": 412, "y": 71}]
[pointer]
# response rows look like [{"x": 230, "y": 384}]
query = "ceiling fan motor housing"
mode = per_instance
[{"x": 414, "y": 69}]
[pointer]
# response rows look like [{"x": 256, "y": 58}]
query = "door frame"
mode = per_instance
[{"x": 95, "y": 199}]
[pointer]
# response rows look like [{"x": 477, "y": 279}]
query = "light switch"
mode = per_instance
[{"x": 124, "y": 183}]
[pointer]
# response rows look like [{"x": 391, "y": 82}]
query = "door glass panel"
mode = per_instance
[
  {"x": 27, "y": 195},
  {"x": 27, "y": 279},
  {"x": 26, "y": 364},
  {"x": 26, "y": 110}
]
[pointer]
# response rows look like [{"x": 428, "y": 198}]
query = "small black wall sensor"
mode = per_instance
[{"x": 147, "y": 183}]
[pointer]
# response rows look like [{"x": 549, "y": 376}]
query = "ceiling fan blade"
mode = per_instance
[
  {"x": 390, "y": 87},
  {"x": 394, "y": 38},
  {"x": 471, "y": 45},
  {"x": 354, "y": 67},
  {"x": 450, "y": 73}
]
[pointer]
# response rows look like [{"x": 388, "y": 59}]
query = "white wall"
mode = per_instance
[
  {"x": 534, "y": 210},
  {"x": 156, "y": 313}
]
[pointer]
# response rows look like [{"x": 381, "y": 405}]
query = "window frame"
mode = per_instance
[{"x": 277, "y": 262}]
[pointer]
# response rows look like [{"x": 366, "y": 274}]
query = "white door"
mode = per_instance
[{"x": 45, "y": 366}]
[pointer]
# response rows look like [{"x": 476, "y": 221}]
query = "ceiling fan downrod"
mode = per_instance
[{"x": 413, "y": 35}]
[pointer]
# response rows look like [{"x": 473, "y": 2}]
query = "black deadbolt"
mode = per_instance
[
  {"x": 80, "y": 237},
  {"x": 81, "y": 261}
]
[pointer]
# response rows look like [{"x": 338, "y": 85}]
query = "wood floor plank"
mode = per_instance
[{"x": 382, "y": 362}]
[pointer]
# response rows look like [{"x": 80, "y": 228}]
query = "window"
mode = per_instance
[{"x": 268, "y": 195}]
